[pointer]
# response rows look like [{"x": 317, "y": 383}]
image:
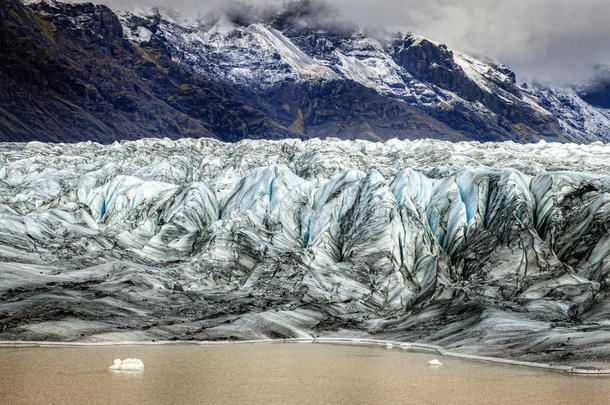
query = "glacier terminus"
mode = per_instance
[{"x": 500, "y": 249}]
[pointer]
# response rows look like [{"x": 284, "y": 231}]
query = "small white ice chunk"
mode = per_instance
[
  {"x": 435, "y": 363},
  {"x": 128, "y": 365}
]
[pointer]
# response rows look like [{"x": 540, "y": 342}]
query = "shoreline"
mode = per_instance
[{"x": 416, "y": 347}]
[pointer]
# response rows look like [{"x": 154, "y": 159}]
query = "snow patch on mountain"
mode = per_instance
[{"x": 576, "y": 116}]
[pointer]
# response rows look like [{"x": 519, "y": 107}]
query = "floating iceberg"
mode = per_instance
[{"x": 127, "y": 365}]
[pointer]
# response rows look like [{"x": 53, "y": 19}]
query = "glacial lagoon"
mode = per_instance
[{"x": 283, "y": 373}]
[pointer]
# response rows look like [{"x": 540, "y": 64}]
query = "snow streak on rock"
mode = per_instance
[{"x": 494, "y": 248}]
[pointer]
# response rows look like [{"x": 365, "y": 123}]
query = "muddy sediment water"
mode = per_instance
[{"x": 277, "y": 373}]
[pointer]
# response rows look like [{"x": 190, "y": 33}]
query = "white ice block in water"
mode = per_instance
[
  {"x": 434, "y": 362},
  {"x": 127, "y": 364}
]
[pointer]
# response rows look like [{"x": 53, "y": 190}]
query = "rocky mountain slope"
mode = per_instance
[
  {"x": 498, "y": 248},
  {"x": 79, "y": 71},
  {"x": 68, "y": 74}
]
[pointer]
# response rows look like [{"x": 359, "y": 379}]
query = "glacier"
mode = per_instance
[{"x": 497, "y": 249}]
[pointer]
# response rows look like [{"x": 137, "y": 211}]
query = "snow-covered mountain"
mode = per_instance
[
  {"x": 578, "y": 118},
  {"x": 494, "y": 248},
  {"x": 85, "y": 72},
  {"x": 411, "y": 68}
]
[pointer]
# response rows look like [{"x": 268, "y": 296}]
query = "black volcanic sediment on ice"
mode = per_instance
[{"x": 497, "y": 249}]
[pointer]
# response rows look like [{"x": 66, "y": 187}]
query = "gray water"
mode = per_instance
[{"x": 278, "y": 374}]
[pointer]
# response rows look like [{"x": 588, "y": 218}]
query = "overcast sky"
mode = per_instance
[{"x": 549, "y": 40}]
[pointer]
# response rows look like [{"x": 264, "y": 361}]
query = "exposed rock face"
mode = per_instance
[
  {"x": 501, "y": 249},
  {"x": 74, "y": 72},
  {"x": 433, "y": 63}
]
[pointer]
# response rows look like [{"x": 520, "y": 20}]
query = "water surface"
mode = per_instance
[{"x": 289, "y": 373}]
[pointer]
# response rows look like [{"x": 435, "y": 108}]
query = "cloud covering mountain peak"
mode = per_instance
[{"x": 547, "y": 40}]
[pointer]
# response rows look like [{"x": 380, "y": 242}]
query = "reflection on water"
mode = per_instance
[
  {"x": 277, "y": 373},
  {"x": 135, "y": 374}
]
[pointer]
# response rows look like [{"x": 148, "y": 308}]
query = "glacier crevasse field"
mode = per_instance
[{"x": 497, "y": 249}]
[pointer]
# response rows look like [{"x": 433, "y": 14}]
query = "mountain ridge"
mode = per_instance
[{"x": 274, "y": 79}]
